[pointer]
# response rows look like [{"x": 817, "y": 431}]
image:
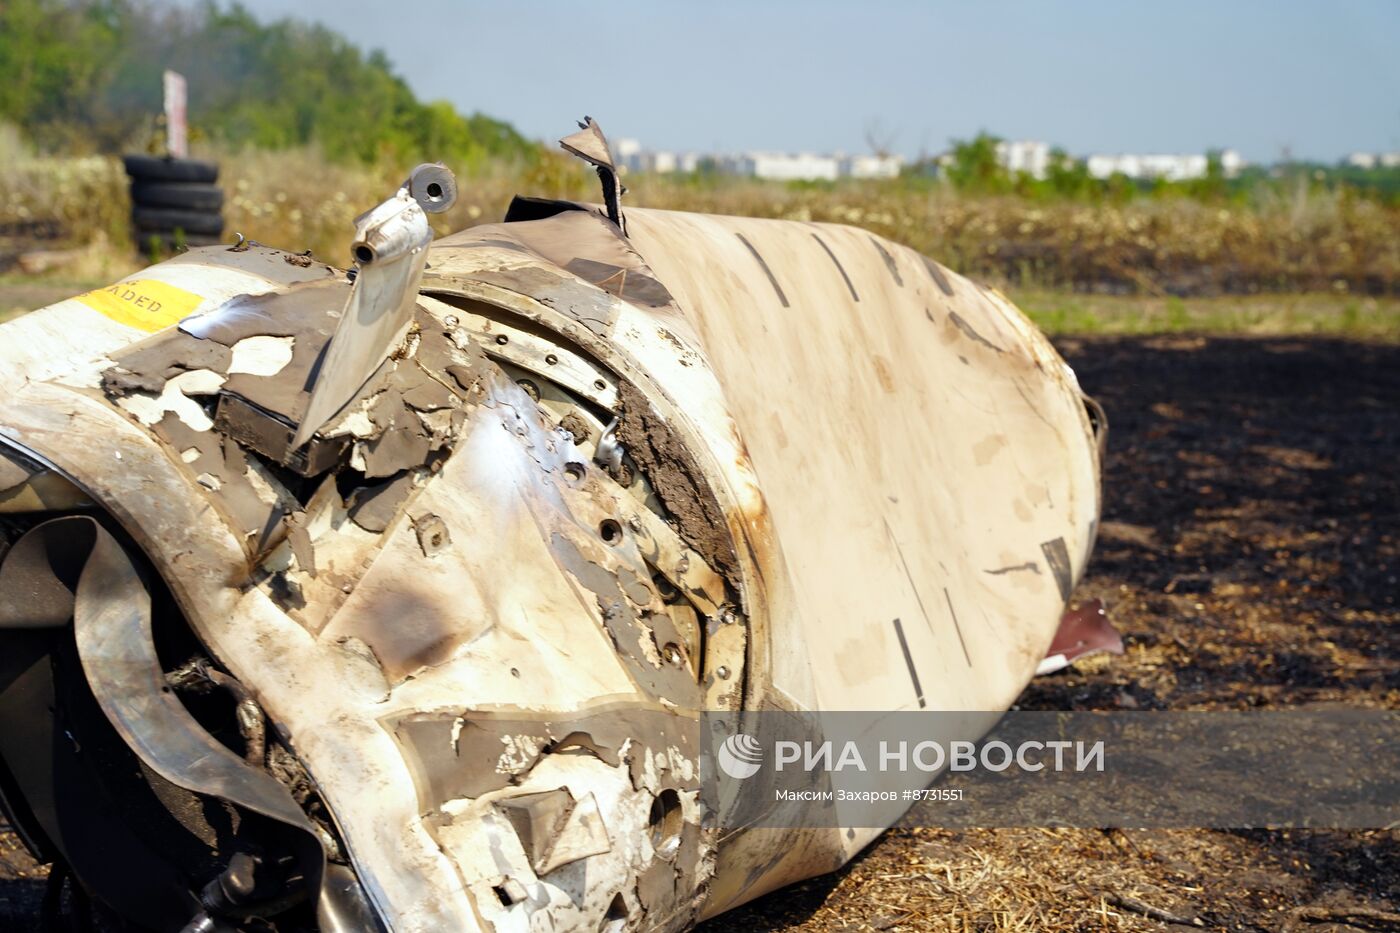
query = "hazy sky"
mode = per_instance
[{"x": 1318, "y": 78}]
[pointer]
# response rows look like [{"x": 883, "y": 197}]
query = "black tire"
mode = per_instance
[
  {"x": 195, "y": 197},
  {"x": 169, "y": 219},
  {"x": 155, "y": 168}
]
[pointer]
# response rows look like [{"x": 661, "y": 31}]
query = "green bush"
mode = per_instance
[{"x": 85, "y": 76}]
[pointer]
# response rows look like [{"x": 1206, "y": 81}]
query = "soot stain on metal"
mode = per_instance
[
  {"x": 1057, "y": 557},
  {"x": 939, "y": 276},
  {"x": 772, "y": 279},
  {"x": 889, "y": 262},
  {"x": 839, "y": 268},
  {"x": 958, "y": 321},
  {"x": 677, "y": 479}
]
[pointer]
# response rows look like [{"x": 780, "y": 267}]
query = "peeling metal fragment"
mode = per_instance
[
  {"x": 429, "y": 395},
  {"x": 555, "y": 829},
  {"x": 374, "y": 506},
  {"x": 175, "y": 397},
  {"x": 511, "y": 744},
  {"x": 261, "y": 355},
  {"x": 638, "y": 591},
  {"x": 639, "y": 637},
  {"x": 218, "y": 464},
  {"x": 148, "y": 366},
  {"x": 591, "y": 145},
  {"x": 463, "y": 376},
  {"x": 631, "y": 286},
  {"x": 401, "y": 445},
  {"x": 592, "y": 307},
  {"x": 1083, "y": 631},
  {"x": 300, "y": 539}
]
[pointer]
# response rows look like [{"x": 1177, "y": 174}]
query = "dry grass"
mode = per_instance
[
  {"x": 80, "y": 199},
  {"x": 297, "y": 200},
  {"x": 1068, "y": 880},
  {"x": 1304, "y": 241},
  {"x": 1312, "y": 241}
]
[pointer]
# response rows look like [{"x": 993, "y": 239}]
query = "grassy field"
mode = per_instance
[
  {"x": 19, "y": 294},
  {"x": 1283, "y": 238}
]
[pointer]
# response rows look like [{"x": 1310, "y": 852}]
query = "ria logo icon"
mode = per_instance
[{"x": 740, "y": 756}]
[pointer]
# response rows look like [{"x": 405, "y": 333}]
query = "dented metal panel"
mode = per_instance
[{"x": 595, "y": 483}]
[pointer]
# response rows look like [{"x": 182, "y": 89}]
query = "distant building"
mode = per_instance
[
  {"x": 782, "y": 166},
  {"x": 871, "y": 166},
  {"x": 1167, "y": 167},
  {"x": 1029, "y": 156},
  {"x": 779, "y": 166},
  {"x": 625, "y": 149},
  {"x": 633, "y": 158},
  {"x": 660, "y": 161},
  {"x": 1370, "y": 160}
]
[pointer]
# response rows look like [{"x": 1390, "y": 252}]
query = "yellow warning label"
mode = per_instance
[{"x": 145, "y": 304}]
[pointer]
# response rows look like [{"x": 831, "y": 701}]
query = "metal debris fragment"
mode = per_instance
[{"x": 476, "y": 539}]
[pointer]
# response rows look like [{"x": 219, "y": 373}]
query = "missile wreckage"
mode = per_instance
[{"x": 392, "y": 598}]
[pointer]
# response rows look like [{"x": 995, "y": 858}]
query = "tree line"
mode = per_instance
[{"x": 85, "y": 75}]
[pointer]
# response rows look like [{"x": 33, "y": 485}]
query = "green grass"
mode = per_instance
[
  {"x": 20, "y": 294},
  {"x": 1059, "y": 312}
]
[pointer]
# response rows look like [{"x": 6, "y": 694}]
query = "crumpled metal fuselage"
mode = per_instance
[{"x": 604, "y": 484}]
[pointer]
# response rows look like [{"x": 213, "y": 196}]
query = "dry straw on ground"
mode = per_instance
[{"x": 1302, "y": 240}]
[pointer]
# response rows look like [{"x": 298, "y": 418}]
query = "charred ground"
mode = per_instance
[{"x": 1249, "y": 553}]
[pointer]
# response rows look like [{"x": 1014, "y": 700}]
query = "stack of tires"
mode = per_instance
[{"x": 174, "y": 202}]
